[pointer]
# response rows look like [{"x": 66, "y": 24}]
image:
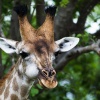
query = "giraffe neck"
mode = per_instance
[{"x": 16, "y": 85}]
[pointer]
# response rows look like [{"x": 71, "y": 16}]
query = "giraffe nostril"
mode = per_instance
[
  {"x": 45, "y": 72},
  {"x": 49, "y": 73},
  {"x": 53, "y": 72}
]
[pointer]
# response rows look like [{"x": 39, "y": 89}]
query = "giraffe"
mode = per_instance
[{"x": 37, "y": 51}]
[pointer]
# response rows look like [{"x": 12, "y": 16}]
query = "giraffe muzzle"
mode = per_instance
[{"x": 47, "y": 78}]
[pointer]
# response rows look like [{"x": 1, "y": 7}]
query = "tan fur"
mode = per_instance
[
  {"x": 45, "y": 31},
  {"x": 26, "y": 30}
]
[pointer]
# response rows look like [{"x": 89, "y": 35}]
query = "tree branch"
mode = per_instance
[
  {"x": 40, "y": 16},
  {"x": 84, "y": 10},
  {"x": 64, "y": 25},
  {"x": 72, "y": 54},
  {"x": 63, "y": 20}
]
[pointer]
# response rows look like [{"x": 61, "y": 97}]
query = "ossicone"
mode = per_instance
[
  {"x": 51, "y": 10},
  {"x": 27, "y": 31},
  {"x": 21, "y": 10}
]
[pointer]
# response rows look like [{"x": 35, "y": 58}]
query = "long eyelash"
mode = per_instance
[{"x": 24, "y": 54}]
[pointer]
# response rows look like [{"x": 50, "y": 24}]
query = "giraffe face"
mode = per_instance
[
  {"x": 37, "y": 58},
  {"x": 38, "y": 55}
]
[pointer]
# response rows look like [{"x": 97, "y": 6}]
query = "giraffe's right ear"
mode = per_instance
[{"x": 7, "y": 45}]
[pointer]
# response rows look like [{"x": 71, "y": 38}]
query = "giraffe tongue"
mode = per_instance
[{"x": 47, "y": 82}]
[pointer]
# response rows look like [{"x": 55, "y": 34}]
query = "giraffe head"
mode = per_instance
[{"x": 38, "y": 47}]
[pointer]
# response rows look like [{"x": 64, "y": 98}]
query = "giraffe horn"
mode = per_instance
[
  {"x": 47, "y": 27},
  {"x": 26, "y": 30}
]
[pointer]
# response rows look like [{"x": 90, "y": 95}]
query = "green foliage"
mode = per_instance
[
  {"x": 84, "y": 38},
  {"x": 34, "y": 91},
  {"x": 6, "y": 6},
  {"x": 6, "y": 63},
  {"x": 94, "y": 15},
  {"x": 63, "y": 3},
  {"x": 39, "y": 86},
  {"x": 34, "y": 22},
  {"x": 57, "y": 2}
]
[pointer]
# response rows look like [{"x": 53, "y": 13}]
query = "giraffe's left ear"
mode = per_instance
[
  {"x": 66, "y": 43},
  {"x": 7, "y": 45}
]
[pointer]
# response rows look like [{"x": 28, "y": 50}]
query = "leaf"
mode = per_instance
[
  {"x": 63, "y": 3},
  {"x": 34, "y": 91},
  {"x": 39, "y": 86}
]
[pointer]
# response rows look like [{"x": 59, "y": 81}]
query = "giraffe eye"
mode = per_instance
[{"x": 24, "y": 54}]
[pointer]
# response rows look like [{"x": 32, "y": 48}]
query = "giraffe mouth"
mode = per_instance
[{"x": 47, "y": 82}]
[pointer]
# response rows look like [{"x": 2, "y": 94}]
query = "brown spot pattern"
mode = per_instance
[
  {"x": 6, "y": 93},
  {"x": 14, "y": 97},
  {"x": 15, "y": 85},
  {"x": 24, "y": 90},
  {"x": 2, "y": 89},
  {"x": 39, "y": 45}
]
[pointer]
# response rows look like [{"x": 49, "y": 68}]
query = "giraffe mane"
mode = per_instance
[{"x": 2, "y": 81}]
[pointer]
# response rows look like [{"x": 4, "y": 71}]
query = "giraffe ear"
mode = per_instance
[
  {"x": 8, "y": 46},
  {"x": 67, "y": 43}
]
